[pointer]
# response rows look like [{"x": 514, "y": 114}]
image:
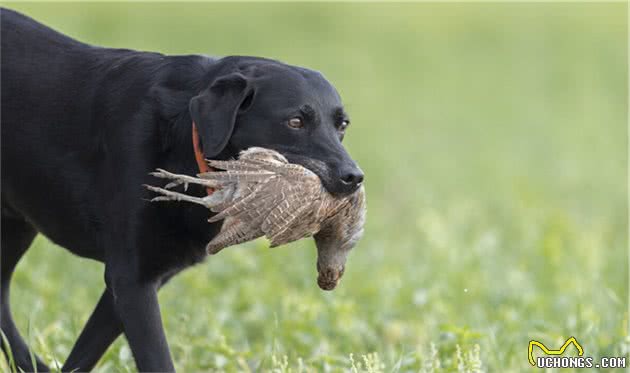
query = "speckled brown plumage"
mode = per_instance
[{"x": 262, "y": 194}]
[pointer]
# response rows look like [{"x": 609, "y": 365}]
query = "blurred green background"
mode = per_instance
[{"x": 493, "y": 137}]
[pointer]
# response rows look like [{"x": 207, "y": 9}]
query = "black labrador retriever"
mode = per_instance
[{"x": 82, "y": 126}]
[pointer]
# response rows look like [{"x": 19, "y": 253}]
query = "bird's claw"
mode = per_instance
[
  {"x": 163, "y": 174},
  {"x": 166, "y": 195},
  {"x": 161, "y": 198},
  {"x": 175, "y": 183}
]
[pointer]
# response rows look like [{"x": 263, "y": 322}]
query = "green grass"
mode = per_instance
[{"x": 493, "y": 137}]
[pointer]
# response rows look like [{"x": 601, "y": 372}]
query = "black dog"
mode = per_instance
[{"x": 81, "y": 128}]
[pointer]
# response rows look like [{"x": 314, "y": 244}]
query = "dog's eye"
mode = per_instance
[
  {"x": 343, "y": 125},
  {"x": 295, "y": 123}
]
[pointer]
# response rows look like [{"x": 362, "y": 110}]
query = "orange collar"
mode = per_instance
[{"x": 201, "y": 161}]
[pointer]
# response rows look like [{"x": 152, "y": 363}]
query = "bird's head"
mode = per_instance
[{"x": 337, "y": 237}]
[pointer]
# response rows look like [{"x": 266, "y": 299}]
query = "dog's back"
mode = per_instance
[
  {"x": 44, "y": 93},
  {"x": 58, "y": 127}
]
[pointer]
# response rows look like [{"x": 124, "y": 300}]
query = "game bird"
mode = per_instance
[{"x": 262, "y": 194}]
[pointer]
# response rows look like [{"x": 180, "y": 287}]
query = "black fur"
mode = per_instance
[{"x": 82, "y": 126}]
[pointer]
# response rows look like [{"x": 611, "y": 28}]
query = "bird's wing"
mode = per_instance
[
  {"x": 296, "y": 171},
  {"x": 288, "y": 170},
  {"x": 257, "y": 208},
  {"x": 237, "y": 176},
  {"x": 291, "y": 214},
  {"x": 244, "y": 217},
  {"x": 302, "y": 227},
  {"x": 234, "y": 233},
  {"x": 259, "y": 188},
  {"x": 239, "y": 191},
  {"x": 263, "y": 164},
  {"x": 334, "y": 207},
  {"x": 290, "y": 227},
  {"x": 309, "y": 220},
  {"x": 262, "y": 153},
  {"x": 244, "y": 201},
  {"x": 234, "y": 165}
]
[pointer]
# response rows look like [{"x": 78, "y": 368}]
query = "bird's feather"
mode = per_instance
[{"x": 261, "y": 193}]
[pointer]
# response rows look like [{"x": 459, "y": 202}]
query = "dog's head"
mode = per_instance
[{"x": 293, "y": 110}]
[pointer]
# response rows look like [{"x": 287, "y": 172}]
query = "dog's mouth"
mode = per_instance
[{"x": 325, "y": 174}]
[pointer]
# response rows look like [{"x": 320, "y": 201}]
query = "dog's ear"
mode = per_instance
[{"x": 215, "y": 110}]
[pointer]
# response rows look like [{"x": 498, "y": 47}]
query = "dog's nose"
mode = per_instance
[{"x": 352, "y": 176}]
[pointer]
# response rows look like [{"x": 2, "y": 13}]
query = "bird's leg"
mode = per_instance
[
  {"x": 183, "y": 179},
  {"x": 169, "y": 195},
  {"x": 218, "y": 197}
]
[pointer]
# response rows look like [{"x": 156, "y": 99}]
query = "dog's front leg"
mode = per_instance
[{"x": 136, "y": 304}]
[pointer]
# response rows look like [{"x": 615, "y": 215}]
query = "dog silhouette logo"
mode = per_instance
[{"x": 548, "y": 351}]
